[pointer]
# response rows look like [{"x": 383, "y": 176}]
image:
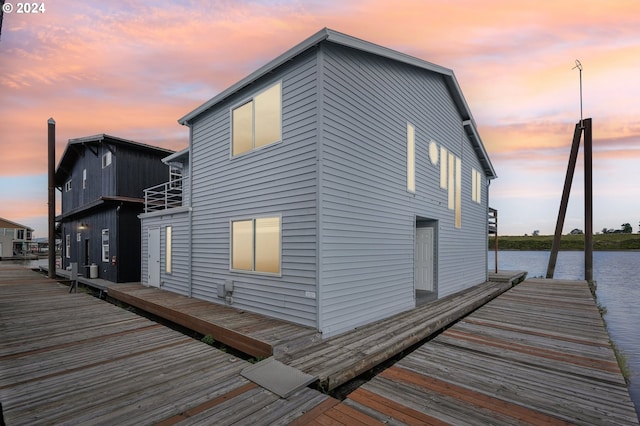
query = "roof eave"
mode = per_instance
[{"x": 285, "y": 57}]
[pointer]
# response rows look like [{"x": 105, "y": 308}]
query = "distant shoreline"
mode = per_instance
[{"x": 601, "y": 242}]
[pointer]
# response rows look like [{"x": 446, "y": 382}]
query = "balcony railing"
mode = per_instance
[{"x": 164, "y": 196}]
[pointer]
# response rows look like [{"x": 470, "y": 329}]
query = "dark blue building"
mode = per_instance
[{"x": 102, "y": 179}]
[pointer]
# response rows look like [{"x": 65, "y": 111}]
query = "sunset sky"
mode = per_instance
[{"x": 132, "y": 68}]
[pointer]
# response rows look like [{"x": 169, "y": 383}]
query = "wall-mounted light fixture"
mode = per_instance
[{"x": 83, "y": 226}]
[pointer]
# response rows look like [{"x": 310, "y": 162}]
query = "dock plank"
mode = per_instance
[
  {"x": 553, "y": 367},
  {"x": 126, "y": 370}
]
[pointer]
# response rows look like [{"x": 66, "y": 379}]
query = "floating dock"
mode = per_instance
[{"x": 537, "y": 353}]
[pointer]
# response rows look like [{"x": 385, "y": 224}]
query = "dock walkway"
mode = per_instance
[
  {"x": 334, "y": 361},
  {"x": 73, "y": 359},
  {"x": 537, "y": 354}
]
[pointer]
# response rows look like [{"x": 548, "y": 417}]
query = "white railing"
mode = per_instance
[{"x": 164, "y": 196}]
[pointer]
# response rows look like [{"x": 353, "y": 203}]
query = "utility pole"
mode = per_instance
[
  {"x": 583, "y": 128},
  {"x": 51, "y": 127}
]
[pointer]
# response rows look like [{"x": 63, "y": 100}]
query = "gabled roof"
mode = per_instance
[
  {"x": 331, "y": 36},
  {"x": 70, "y": 153},
  {"x": 7, "y": 224}
]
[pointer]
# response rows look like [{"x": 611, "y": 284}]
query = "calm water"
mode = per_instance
[{"x": 618, "y": 278}]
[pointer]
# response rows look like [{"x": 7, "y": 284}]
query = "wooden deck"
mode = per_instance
[
  {"x": 73, "y": 359},
  {"x": 251, "y": 333},
  {"x": 538, "y": 354},
  {"x": 334, "y": 361},
  {"x": 339, "y": 359}
]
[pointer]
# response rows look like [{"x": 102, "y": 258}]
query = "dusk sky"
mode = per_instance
[{"x": 132, "y": 68}]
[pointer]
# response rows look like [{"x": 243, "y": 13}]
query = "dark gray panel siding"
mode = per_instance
[
  {"x": 368, "y": 217},
  {"x": 278, "y": 179}
]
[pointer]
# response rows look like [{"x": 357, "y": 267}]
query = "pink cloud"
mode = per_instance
[{"x": 133, "y": 68}]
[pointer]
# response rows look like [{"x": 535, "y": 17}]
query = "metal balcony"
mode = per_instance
[{"x": 164, "y": 196}]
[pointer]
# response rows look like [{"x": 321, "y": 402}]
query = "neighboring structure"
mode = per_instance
[
  {"x": 333, "y": 187},
  {"x": 102, "y": 180},
  {"x": 15, "y": 239}
]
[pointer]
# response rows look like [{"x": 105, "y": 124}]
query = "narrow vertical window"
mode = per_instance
[
  {"x": 476, "y": 186},
  {"x": 168, "y": 249},
  {"x": 242, "y": 128},
  {"x": 444, "y": 161},
  {"x": 106, "y": 159},
  {"x": 451, "y": 180},
  {"x": 267, "y": 111},
  {"x": 267, "y": 241},
  {"x": 67, "y": 246},
  {"x": 411, "y": 158},
  {"x": 242, "y": 245},
  {"x": 458, "y": 202},
  {"x": 84, "y": 179},
  {"x": 105, "y": 245}
]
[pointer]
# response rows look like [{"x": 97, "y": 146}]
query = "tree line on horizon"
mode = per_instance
[{"x": 625, "y": 228}]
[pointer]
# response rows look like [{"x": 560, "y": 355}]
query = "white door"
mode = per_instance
[
  {"x": 424, "y": 259},
  {"x": 153, "y": 264}
]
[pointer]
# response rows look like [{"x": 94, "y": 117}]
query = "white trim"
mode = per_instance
[
  {"x": 102, "y": 246},
  {"x": 253, "y": 271},
  {"x": 243, "y": 102}
]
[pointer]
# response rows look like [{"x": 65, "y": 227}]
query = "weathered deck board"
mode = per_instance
[
  {"x": 341, "y": 358},
  {"x": 66, "y": 367},
  {"x": 493, "y": 367},
  {"x": 251, "y": 333}
]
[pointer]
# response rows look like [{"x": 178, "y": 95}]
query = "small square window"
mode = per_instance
[{"x": 256, "y": 245}]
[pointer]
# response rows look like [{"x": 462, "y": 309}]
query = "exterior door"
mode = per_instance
[
  {"x": 424, "y": 259},
  {"x": 153, "y": 265}
]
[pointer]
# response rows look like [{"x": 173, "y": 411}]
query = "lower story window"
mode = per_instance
[
  {"x": 105, "y": 245},
  {"x": 255, "y": 245},
  {"x": 169, "y": 249}
]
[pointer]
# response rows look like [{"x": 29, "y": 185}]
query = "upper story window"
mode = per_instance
[
  {"x": 411, "y": 158},
  {"x": 20, "y": 234},
  {"x": 476, "y": 186},
  {"x": 106, "y": 159},
  {"x": 175, "y": 177},
  {"x": 67, "y": 186},
  {"x": 257, "y": 122},
  {"x": 84, "y": 179}
]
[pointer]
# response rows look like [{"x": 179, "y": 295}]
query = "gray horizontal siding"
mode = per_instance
[
  {"x": 368, "y": 217},
  {"x": 177, "y": 280},
  {"x": 279, "y": 179}
]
